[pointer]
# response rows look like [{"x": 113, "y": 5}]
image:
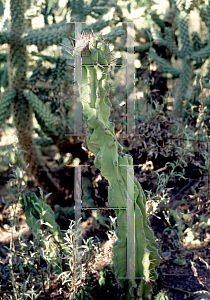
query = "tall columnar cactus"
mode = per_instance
[
  {"x": 191, "y": 50},
  {"x": 109, "y": 158}
]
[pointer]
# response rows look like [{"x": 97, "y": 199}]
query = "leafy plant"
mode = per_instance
[{"x": 33, "y": 262}]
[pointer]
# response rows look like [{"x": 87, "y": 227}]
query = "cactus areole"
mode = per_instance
[{"x": 94, "y": 85}]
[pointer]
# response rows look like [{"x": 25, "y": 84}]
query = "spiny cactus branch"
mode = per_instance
[{"x": 6, "y": 102}]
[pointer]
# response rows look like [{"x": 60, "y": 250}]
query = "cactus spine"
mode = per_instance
[{"x": 94, "y": 91}]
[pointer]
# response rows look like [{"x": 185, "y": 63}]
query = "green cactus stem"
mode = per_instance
[{"x": 94, "y": 85}]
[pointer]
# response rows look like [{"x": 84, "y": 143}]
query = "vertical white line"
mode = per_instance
[
  {"x": 78, "y": 71},
  {"x": 130, "y": 84},
  {"x": 130, "y": 224},
  {"x": 77, "y": 132},
  {"x": 78, "y": 214},
  {"x": 77, "y": 192},
  {"x": 130, "y": 78}
]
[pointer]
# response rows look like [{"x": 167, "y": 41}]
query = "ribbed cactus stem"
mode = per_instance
[
  {"x": 18, "y": 52},
  {"x": 93, "y": 81}
]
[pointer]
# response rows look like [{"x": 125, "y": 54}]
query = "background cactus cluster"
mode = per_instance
[
  {"x": 43, "y": 92},
  {"x": 190, "y": 50}
]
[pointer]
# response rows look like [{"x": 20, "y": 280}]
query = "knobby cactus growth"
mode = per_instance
[{"x": 93, "y": 81}]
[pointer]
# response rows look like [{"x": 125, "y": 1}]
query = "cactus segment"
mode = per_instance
[
  {"x": 94, "y": 90},
  {"x": 204, "y": 15},
  {"x": 157, "y": 36},
  {"x": 5, "y": 38},
  {"x": 203, "y": 53},
  {"x": 170, "y": 42},
  {"x": 163, "y": 65},
  {"x": 186, "y": 76},
  {"x": 5, "y": 103},
  {"x": 184, "y": 34},
  {"x": 179, "y": 4},
  {"x": 157, "y": 20},
  {"x": 40, "y": 108},
  {"x": 142, "y": 48},
  {"x": 196, "y": 40}
]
